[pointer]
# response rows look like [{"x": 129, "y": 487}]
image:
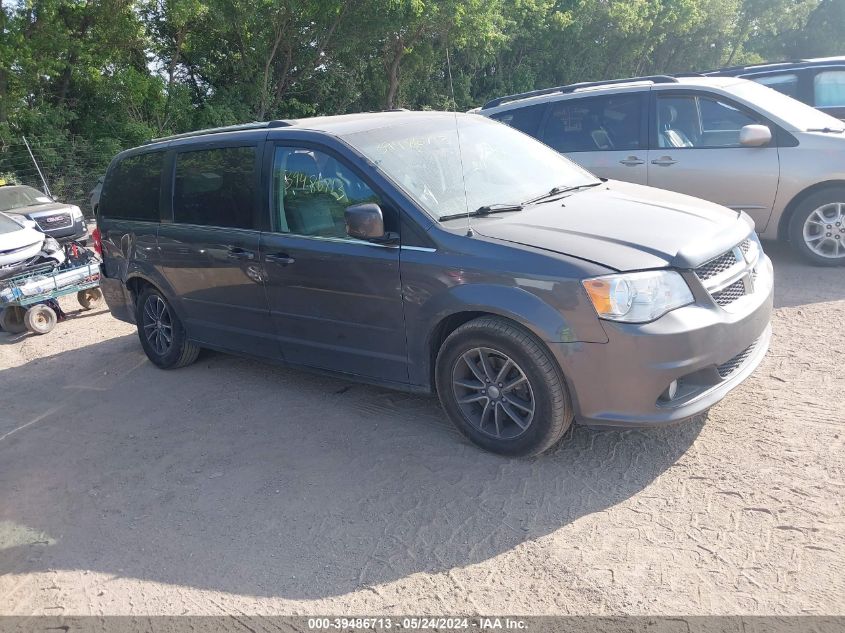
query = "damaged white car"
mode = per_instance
[{"x": 22, "y": 245}]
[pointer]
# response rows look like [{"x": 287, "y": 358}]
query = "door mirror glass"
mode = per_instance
[
  {"x": 364, "y": 221},
  {"x": 754, "y": 135}
]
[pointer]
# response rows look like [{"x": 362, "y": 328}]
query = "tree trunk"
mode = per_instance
[
  {"x": 268, "y": 64},
  {"x": 392, "y": 66},
  {"x": 4, "y": 80}
]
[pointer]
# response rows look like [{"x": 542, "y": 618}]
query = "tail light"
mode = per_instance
[{"x": 98, "y": 241}]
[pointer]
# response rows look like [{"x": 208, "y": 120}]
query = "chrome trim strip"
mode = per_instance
[
  {"x": 421, "y": 249},
  {"x": 730, "y": 276}
]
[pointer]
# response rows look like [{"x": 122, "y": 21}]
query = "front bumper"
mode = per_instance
[{"x": 703, "y": 350}]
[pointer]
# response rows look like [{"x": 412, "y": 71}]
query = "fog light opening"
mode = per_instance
[{"x": 671, "y": 391}]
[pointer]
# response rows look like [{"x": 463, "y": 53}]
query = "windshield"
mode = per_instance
[
  {"x": 20, "y": 196},
  {"x": 796, "y": 114},
  {"x": 454, "y": 164}
]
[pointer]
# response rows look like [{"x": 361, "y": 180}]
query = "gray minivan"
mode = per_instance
[{"x": 437, "y": 252}]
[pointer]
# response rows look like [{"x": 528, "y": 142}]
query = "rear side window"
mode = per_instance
[
  {"x": 786, "y": 83},
  {"x": 609, "y": 123},
  {"x": 829, "y": 88},
  {"x": 131, "y": 189},
  {"x": 216, "y": 187},
  {"x": 525, "y": 119}
]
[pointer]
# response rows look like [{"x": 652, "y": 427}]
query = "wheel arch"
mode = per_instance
[
  {"x": 789, "y": 211},
  {"x": 447, "y": 311},
  {"x": 135, "y": 283}
]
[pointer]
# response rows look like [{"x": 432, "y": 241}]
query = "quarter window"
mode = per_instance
[
  {"x": 311, "y": 191},
  {"x": 216, "y": 187},
  {"x": 786, "y": 83},
  {"x": 131, "y": 189},
  {"x": 525, "y": 119},
  {"x": 595, "y": 124},
  {"x": 829, "y": 88}
]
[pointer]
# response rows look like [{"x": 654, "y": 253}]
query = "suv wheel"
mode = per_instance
[
  {"x": 161, "y": 332},
  {"x": 817, "y": 228},
  {"x": 502, "y": 388}
]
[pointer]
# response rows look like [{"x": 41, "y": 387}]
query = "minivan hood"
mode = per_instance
[{"x": 624, "y": 226}]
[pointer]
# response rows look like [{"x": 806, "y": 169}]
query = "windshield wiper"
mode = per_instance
[
  {"x": 827, "y": 130},
  {"x": 556, "y": 191},
  {"x": 487, "y": 209}
]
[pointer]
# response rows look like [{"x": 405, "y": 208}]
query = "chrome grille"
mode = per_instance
[
  {"x": 56, "y": 221},
  {"x": 729, "y": 276},
  {"x": 726, "y": 369}
]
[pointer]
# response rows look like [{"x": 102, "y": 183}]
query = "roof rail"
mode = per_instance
[
  {"x": 255, "y": 125},
  {"x": 784, "y": 62},
  {"x": 657, "y": 79}
]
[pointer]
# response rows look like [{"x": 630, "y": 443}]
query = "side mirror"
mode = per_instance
[
  {"x": 755, "y": 135},
  {"x": 364, "y": 221}
]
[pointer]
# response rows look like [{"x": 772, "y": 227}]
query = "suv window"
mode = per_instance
[
  {"x": 594, "y": 124},
  {"x": 525, "y": 119},
  {"x": 216, "y": 187},
  {"x": 311, "y": 191},
  {"x": 696, "y": 121},
  {"x": 131, "y": 189},
  {"x": 786, "y": 83},
  {"x": 829, "y": 88}
]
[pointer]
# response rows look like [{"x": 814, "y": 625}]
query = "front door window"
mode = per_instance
[{"x": 311, "y": 191}]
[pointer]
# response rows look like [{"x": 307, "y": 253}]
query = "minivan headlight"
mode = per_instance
[{"x": 637, "y": 297}]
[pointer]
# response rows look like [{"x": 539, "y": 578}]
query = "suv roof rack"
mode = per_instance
[
  {"x": 255, "y": 125},
  {"x": 783, "y": 62},
  {"x": 657, "y": 79}
]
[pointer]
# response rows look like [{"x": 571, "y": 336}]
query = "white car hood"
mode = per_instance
[{"x": 20, "y": 245}]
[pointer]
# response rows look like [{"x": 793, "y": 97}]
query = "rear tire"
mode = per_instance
[
  {"x": 40, "y": 319},
  {"x": 89, "y": 298},
  {"x": 817, "y": 227},
  {"x": 162, "y": 333},
  {"x": 12, "y": 319},
  {"x": 502, "y": 388}
]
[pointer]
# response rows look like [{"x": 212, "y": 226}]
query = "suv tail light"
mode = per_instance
[{"x": 98, "y": 241}]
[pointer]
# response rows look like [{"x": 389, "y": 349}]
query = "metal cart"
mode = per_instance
[{"x": 25, "y": 299}]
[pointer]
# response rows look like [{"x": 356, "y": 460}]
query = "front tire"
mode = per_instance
[
  {"x": 501, "y": 388},
  {"x": 162, "y": 333},
  {"x": 817, "y": 227}
]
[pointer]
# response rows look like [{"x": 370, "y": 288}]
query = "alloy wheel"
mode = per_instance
[
  {"x": 824, "y": 230},
  {"x": 158, "y": 325},
  {"x": 493, "y": 393}
]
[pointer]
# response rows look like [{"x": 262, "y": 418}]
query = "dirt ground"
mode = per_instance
[{"x": 237, "y": 487}]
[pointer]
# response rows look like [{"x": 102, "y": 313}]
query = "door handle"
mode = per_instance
[
  {"x": 664, "y": 161},
  {"x": 239, "y": 253},
  {"x": 632, "y": 161},
  {"x": 279, "y": 258}
]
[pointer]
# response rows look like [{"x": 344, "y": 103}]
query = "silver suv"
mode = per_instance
[{"x": 727, "y": 140}]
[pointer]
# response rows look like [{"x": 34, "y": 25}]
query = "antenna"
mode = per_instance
[
  {"x": 35, "y": 162},
  {"x": 458, "y": 133}
]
